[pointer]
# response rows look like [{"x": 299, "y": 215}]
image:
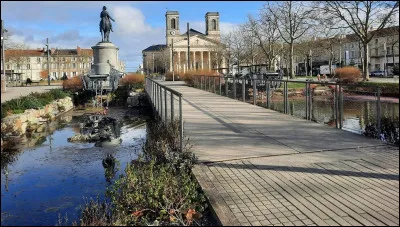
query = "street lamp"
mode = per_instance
[
  {"x": 48, "y": 62},
  {"x": 172, "y": 59},
  {"x": 3, "y": 31}
]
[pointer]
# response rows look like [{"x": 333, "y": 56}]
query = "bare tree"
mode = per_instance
[
  {"x": 265, "y": 32},
  {"x": 238, "y": 47},
  {"x": 359, "y": 16},
  {"x": 293, "y": 20}
]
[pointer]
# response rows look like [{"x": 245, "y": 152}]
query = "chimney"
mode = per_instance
[{"x": 52, "y": 50}]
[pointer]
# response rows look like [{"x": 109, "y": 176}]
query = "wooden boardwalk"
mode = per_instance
[{"x": 261, "y": 167}]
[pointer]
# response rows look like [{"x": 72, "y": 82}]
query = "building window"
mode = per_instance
[
  {"x": 74, "y": 74},
  {"x": 376, "y": 51},
  {"x": 173, "y": 23},
  {"x": 8, "y": 66},
  {"x": 28, "y": 66},
  {"x": 214, "y": 24},
  {"x": 28, "y": 59},
  {"x": 376, "y": 41},
  {"x": 377, "y": 67},
  {"x": 388, "y": 50},
  {"x": 54, "y": 59},
  {"x": 55, "y": 75},
  {"x": 73, "y": 59},
  {"x": 352, "y": 55},
  {"x": 63, "y": 59},
  {"x": 74, "y": 65},
  {"x": 38, "y": 60}
]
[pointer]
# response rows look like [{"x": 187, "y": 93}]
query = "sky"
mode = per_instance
[{"x": 138, "y": 24}]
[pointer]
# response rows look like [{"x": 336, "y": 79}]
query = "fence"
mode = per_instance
[
  {"x": 163, "y": 101},
  {"x": 335, "y": 104}
]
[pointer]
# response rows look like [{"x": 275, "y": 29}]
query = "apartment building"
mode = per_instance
[{"x": 347, "y": 50}]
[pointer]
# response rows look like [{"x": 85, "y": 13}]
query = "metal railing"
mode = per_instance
[
  {"x": 163, "y": 102},
  {"x": 276, "y": 94}
]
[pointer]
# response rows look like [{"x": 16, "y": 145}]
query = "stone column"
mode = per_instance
[
  {"x": 202, "y": 60},
  {"x": 209, "y": 60}
]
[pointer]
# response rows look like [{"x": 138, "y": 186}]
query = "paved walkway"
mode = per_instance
[
  {"x": 15, "y": 92},
  {"x": 261, "y": 167}
]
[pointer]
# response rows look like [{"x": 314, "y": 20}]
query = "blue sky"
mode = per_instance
[{"x": 138, "y": 24}]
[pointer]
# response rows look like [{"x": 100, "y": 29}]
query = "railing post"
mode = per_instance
[
  {"x": 335, "y": 103},
  {"x": 209, "y": 84},
  {"x": 378, "y": 110},
  {"x": 234, "y": 87},
  {"x": 307, "y": 99},
  {"x": 340, "y": 106},
  {"x": 244, "y": 90},
  {"x": 254, "y": 91},
  {"x": 214, "y": 85},
  {"x": 310, "y": 102},
  {"x": 180, "y": 123},
  {"x": 172, "y": 107},
  {"x": 267, "y": 87},
  {"x": 201, "y": 82},
  {"x": 219, "y": 84},
  {"x": 161, "y": 104},
  {"x": 284, "y": 97},
  {"x": 226, "y": 86},
  {"x": 165, "y": 105}
]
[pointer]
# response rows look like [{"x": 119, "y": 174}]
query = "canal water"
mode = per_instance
[
  {"x": 357, "y": 114},
  {"x": 52, "y": 177}
]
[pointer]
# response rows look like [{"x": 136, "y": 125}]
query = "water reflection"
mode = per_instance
[
  {"x": 357, "y": 114},
  {"x": 51, "y": 178}
]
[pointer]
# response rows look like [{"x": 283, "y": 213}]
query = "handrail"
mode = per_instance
[
  {"x": 210, "y": 83},
  {"x": 166, "y": 88},
  {"x": 158, "y": 95}
]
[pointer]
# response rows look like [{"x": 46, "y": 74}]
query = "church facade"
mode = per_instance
[{"x": 202, "y": 52}]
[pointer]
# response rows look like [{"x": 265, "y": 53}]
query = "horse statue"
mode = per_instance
[{"x": 105, "y": 25}]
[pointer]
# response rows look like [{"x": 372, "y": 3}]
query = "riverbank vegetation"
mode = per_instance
[
  {"x": 157, "y": 189},
  {"x": 33, "y": 101}
]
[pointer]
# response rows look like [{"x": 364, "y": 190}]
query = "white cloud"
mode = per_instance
[{"x": 129, "y": 21}]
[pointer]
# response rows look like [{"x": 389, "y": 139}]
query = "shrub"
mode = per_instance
[
  {"x": 158, "y": 188},
  {"x": 73, "y": 84},
  {"x": 348, "y": 74},
  {"x": 132, "y": 79},
  {"x": 58, "y": 93}
]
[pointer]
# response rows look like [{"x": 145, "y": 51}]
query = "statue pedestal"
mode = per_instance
[{"x": 104, "y": 54}]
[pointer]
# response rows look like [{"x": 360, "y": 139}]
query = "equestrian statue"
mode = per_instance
[{"x": 105, "y": 25}]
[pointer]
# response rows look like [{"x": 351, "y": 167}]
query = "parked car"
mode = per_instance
[
  {"x": 380, "y": 73},
  {"x": 377, "y": 73}
]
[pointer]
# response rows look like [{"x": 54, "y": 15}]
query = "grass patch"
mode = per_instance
[{"x": 32, "y": 101}]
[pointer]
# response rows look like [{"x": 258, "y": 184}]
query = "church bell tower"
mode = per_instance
[{"x": 172, "y": 26}]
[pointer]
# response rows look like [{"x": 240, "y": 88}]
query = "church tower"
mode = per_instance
[
  {"x": 172, "y": 26},
  {"x": 212, "y": 26}
]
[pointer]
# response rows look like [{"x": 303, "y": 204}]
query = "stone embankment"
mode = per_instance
[{"x": 18, "y": 124}]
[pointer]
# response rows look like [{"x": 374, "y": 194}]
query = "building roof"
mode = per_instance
[
  {"x": 212, "y": 14},
  {"x": 53, "y": 52},
  {"x": 172, "y": 12},
  {"x": 33, "y": 53},
  {"x": 193, "y": 32},
  {"x": 155, "y": 48},
  {"x": 65, "y": 52}
]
